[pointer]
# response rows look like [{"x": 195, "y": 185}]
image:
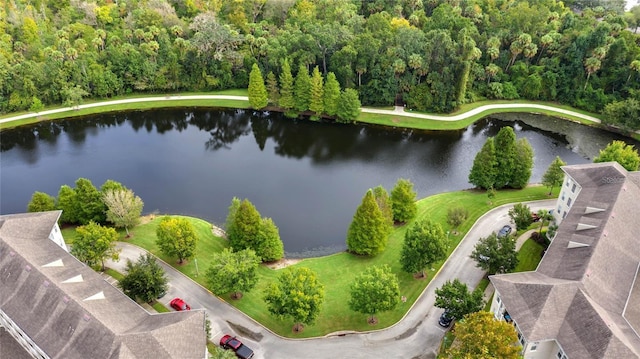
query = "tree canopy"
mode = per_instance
[
  {"x": 481, "y": 336},
  {"x": 123, "y": 207},
  {"x": 176, "y": 237},
  {"x": 618, "y": 151},
  {"x": 433, "y": 56},
  {"x": 94, "y": 243},
  {"x": 145, "y": 279},
  {"x": 374, "y": 290},
  {"x": 520, "y": 214},
  {"x": 424, "y": 244},
  {"x": 234, "y": 272},
  {"x": 297, "y": 294},
  {"x": 456, "y": 298},
  {"x": 403, "y": 201},
  {"x": 496, "y": 254},
  {"x": 554, "y": 175}
]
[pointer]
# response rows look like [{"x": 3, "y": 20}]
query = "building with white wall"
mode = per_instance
[
  {"x": 54, "y": 306},
  {"x": 583, "y": 300}
]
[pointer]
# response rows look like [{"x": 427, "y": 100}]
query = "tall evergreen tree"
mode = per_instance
[
  {"x": 367, "y": 234},
  {"x": 273, "y": 92},
  {"x": 269, "y": 245},
  {"x": 348, "y": 106},
  {"x": 316, "y": 103},
  {"x": 483, "y": 172},
  {"x": 523, "y": 165},
  {"x": 384, "y": 203},
  {"x": 245, "y": 227},
  {"x": 302, "y": 90},
  {"x": 331, "y": 94},
  {"x": 554, "y": 175},
  {"x": 257, "y": 90},
  {"x": 403, "y": 201},
  {"x": 506, "y": 156},
  {"x": 287, "y": 101}
]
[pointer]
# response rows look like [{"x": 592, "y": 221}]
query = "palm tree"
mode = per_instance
[
  {"x": 491, "y": 70},
  {"x": 634, "y": 66},
  {"x": 591, "y": 65}
]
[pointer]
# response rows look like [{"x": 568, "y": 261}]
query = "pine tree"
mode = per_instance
[
  {"x": 272, "y": 89},
  {"x": 317, "y": 91},
  {"x": 331, "y": 94},
  {"x": 483, "y": 172},
  {"x": 367, "y": 234},
  {"x": 245, "y": 226},
  {"x": 384, "y": 203},
  {"x": 403, "y": 201},
  {"x": 302, "y": 90},
  {"x": 523, "y": 165},
  {"x": 348, "y": 106},
  {"x": 506, "y": 156},
  {"x": 286, "y": 87},
  {"x": 257, "y": 90}
]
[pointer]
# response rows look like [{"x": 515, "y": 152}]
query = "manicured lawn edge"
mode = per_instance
[{"x": 336, "y": 271}]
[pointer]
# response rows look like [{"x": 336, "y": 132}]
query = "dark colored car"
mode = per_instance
[
  {"x": 242, "y": 351},
  {"x": 179, "y": 304},
  {"x": 445, "y": 319},
  {"x": 504, "y": 231},
  {"x": 535, "y": 217}
]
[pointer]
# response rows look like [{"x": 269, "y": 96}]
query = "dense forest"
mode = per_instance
[{"x": 432, "y": 55}]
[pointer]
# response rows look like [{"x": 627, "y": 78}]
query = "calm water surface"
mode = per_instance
[{"x": 309, "y": 177}]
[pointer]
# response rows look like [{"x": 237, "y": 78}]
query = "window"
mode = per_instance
[
  {"x": 561, "y": 355},
  {"x": 573, "y": 189},
  {"x": 534, "y": 347},
  {"x": 564, "y": 215},
  {"x": 563, "y": 195},
  {"x": 569, "y": 201}
]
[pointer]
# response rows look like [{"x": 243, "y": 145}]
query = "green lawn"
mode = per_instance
[
  {"x": 529, "y": 256},
  {"x": 336, "y": 271}
]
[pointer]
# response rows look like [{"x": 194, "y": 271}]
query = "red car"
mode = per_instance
[
  {"x": 242, "y": 351},
  {"x": 179, "y": 304}
]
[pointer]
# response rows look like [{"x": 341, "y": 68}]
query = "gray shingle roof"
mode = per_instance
[
  {"x": 56, "y": 310},
  {"x": 584, "y": 292}
]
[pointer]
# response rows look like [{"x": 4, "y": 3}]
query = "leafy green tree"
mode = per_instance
[
  {"x": 257, "y": 90},
  {"x": 545, "y": 216},
  {"x": 403, "y": 201},
  {"x": 349, "y": 106},
  {"x": 316, "y": 103},
  {"x": 269, "y": 245},
  {"x": 302, "y": 90},
  {"x": 41, "y": 202},
  {"x": 384, "y": 204},
  {"x": 331, "y": 95},
  {"x": 523, "y": 165},
  {"x": 496, "y": 255},
  {"x": 245, "y": 226},
  {"x": 520, "y": 214},
  {"x": 367, "y": 233},
  {"x": 481, "y": 336},
  {"x": 145, "y": 279},
  {"x": 554, "y": 175},
  {"x": 273, "y": 92},
  {"x": 234, "y": 272},
  {"x": 68, "y": 204},
  {"x": 485, "y": 166},
  {"x": 456, "y": 216},
  {"x": 424, "y": 244},
  {"x": 123, "y": 208},
  {"x": 506, "y": 156},
  {"x": 176, "y": 237},
  {"x": 456, "y": 298},
  {"x": 89, "y": 202},
  {"x": 374, "y": 290},
  {"x": 94, "y": 243},
  {"x": 287, "y": 100},
  {"x": 618, "y": 151},
  {"x": 297, "y": 294}
]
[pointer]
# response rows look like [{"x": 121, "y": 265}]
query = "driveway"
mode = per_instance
[{"x": 417, "y": 335}]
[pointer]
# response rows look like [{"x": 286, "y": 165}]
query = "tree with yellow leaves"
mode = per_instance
[{"x": 480, "y": 336}]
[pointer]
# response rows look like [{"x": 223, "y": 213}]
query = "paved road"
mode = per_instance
[
  {"x": 399, "y": 111},
  {"x": 416, "y": 336}
]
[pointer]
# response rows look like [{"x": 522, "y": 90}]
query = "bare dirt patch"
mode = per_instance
[{"x": 283, "y": 263}]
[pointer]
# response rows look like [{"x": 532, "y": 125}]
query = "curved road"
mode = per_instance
[
  {"x": 417, "y": 335},
  {"x": 399, "y": 111}
]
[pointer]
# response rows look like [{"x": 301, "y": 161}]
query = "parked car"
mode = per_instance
[
  {"x": 242, "y": 351},
  {"x": 445, "y": 319},
  {"x": 179, "y": 304},
  {"x": 504, "y": 231}
]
